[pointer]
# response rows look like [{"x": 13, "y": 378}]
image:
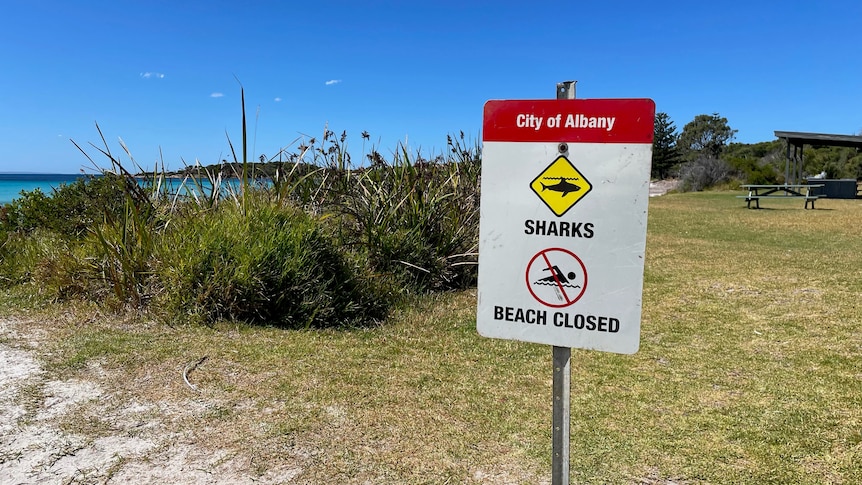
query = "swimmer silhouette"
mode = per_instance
[{"x": 558, "y": 275}]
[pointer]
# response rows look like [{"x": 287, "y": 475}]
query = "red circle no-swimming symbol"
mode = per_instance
[{"x": 556, "y": 277}]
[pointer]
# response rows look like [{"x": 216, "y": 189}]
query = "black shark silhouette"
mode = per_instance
[{"x": 563, "y": 186}]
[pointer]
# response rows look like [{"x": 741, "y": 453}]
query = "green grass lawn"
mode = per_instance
[{"x": 749, "y": 371}]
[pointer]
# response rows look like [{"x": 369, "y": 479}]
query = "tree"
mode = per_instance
[
  {"x": 665, "y": 154},
  {"x": 705, "y": 136}
]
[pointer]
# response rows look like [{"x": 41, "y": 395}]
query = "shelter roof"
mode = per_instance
[{"x": 800, "y": 138}]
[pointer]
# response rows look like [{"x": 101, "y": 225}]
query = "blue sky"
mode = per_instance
[{"x": 162, "y": 75}]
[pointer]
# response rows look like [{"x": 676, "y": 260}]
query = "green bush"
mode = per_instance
[
  {"x": 755, "y": 171},
  {"x": 65, "y": 271},
  {"x": 269, "y": 264},
  {"x": 33, "y": 209}
]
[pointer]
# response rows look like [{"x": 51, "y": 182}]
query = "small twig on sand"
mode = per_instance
[{"x": 190, "y": 368}]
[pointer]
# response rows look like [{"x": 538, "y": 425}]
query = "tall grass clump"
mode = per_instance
[
  {"x": 23, "y": 254},
  {"x": 68, "y": 243},
  {"x": 268, "y": 264},
  {"x": 414, "y": 221},
  {"x": 120, "y": 247},
  {"x": 123, "y": 250}
]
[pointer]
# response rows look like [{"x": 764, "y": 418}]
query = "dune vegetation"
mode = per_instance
[{"x": 305, "y": 239}]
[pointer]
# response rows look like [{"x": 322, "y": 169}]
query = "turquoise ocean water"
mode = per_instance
[{"x": 11, "y": 184}]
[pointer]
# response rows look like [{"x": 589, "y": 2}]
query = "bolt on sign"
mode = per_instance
[{"x": 563, "y": 215}]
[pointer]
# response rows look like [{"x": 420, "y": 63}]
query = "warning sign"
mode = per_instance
[
  {"x": 571, "y": 276},
  {"x": 556, "y": 277},
  {"x": 561, "y": 185}
]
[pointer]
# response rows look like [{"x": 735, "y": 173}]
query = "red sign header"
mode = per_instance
[{"x": 569, "y": 120}]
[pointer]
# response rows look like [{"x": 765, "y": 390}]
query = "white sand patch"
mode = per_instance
[
  {"x": 32, "y": 447},
  {"x": 16, "y": 367},
  {"x": 60, "y": 396}
]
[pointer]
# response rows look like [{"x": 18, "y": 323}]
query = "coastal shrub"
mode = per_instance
[
  {"x": 265, "y": 264},
  {"x": 412, "y": 221},
  {"x": 703, "y": 173},
  {"x": 33, "y": 209}
]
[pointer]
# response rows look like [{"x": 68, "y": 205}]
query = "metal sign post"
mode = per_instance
[
  {"x": 562, "y": 387},
  {"x": 561, "y": 429}
]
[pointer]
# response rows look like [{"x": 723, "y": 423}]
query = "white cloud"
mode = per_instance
[
  {"x": 277, "y": 100},
  {"x": 216, "y": 95},
  {"x": 156, "y": 75},
  {"x": 333, "y": 81}
]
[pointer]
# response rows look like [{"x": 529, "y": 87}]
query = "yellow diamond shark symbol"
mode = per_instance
[{"x": 560, "y": 186}]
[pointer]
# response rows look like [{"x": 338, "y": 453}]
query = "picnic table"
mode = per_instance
[{"x": 782, "y": 191}]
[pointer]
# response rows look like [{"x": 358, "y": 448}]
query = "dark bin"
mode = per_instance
[{"x": 834, "y": 188}]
